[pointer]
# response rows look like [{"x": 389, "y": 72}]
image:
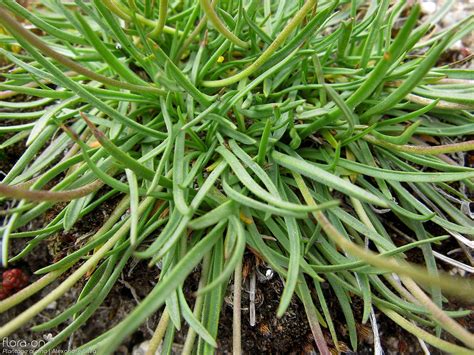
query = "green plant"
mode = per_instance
[{"x": 299, "y": 120}]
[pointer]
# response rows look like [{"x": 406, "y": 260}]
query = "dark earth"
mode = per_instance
[{"x": 270, "y": 335}]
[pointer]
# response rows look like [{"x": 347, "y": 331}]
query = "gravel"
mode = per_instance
[{"x": 460, "y": 10}]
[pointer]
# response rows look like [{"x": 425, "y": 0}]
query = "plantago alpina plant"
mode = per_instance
[{"x": 323, "y": 137}]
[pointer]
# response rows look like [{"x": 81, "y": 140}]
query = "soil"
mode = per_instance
[
  {"x": 269, "y": 335},
  {"x": 290, "y": 334}
]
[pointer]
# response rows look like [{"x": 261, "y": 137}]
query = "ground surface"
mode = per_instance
[{"x": 289, "y": 334}]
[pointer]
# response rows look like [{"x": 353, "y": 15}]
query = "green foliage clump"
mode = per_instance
[{"x": 313, "y": 135}]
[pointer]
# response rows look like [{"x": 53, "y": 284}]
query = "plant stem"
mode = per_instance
[
  {"x": 35, "y": 195},
  {"x": 163, "y": 11},
  {"x": 237, "y": 301},
  {"x": 282, "y": 36},
  {"x": 8, "y": 20},
  {"x": 198, "y": 304},
  {"x": 445, "y": 105},
  {"x": 159, "y": 333},
  {"x": 442, "y": 318},
  {"x": 220, "y": 27},
  {"x": 428, "y": 150},
  {"x": 420, "y": 333},
  {"x": 125, "y": 13}
]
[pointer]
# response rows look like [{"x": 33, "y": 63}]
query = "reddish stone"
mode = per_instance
[{"x": 14, "y": 280}]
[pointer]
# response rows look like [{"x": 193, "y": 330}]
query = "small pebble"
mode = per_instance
[
  {"x": 141, "y": 348},
  {"x": 428, "y": 7},
  {"x": 457, "y": 46},
  {"x": 52, "y": 305}
]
